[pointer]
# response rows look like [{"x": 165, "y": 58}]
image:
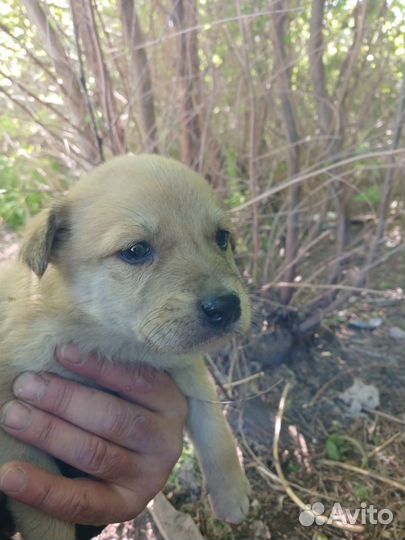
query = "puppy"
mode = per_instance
[{"x": 135, "y": 263}]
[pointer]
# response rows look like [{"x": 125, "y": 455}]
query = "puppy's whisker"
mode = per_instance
[{"x": 151, "y": 321}]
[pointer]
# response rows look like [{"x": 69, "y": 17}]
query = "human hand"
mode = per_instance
[{"x": 128, "y": 442}]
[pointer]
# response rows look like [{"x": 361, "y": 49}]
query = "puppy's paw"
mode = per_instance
[{"x": 230, "y": 500}]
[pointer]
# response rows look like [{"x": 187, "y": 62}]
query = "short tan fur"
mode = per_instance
[{"x": 70, "y": 284}]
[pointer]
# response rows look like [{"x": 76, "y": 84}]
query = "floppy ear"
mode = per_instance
[{"x": 40, "y": 240}]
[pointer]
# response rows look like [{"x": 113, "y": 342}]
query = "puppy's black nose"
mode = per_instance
[{"x": 221, "y": 310}]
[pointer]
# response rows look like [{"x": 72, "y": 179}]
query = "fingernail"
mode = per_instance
[
  {"x": 70, "y": 354},
  {"x": 15, "y": 415},
  {"x": 30, "y": 387},
  {"x": 13, "y": 480}
]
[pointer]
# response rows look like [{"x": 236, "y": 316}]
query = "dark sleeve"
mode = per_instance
[
  {"x": 7, "y": 526},
  {"x": 85, "y": 532}
]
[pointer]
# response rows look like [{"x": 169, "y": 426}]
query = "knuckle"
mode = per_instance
[
  {"x": 118, "y": 422},
  {"x": 80, "y": 507},
  {"x": 101, "y": 459},
  {"x": 135, "y": 375},
  {"x": 47, "y": 497},
  {"x": 141, "y": 377},
  {"x": 125, "y": 425},
  {"x": 144, "y": 429},
  {"x": 92, "y": 455},
  {"x": 102, "y": 365},
  {"x": 140, "y": 429},
  {"x": 63, "y": 397},
  {"x": 77, "y": 505},
  {"x": 46, "y": 433}
]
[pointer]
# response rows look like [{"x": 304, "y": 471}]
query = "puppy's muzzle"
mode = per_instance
[{"x": 221, "y": 311}]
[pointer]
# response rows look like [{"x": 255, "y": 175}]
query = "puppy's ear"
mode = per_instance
[{"x": 43, "y": 234}]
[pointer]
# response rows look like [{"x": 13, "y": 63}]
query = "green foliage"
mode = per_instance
[
  {"x": 22, "y": 192},
  {"x": 371, "y": 195},
  {"x": 236, "y": 196},
  {"x": 293, "y": 468},
  {"x": 188, "y": 460},
  {"x": 336, "y": 447},
  {"x": 362, "y": 492}
]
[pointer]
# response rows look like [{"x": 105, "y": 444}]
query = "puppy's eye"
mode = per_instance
[
  {"x": 222, "y": 239},
  {"x": 139, "y": 253}
]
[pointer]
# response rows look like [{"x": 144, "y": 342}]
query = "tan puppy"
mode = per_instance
[{"x": 134, "y": 263}]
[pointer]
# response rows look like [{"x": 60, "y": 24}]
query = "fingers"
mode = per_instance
[
  {"x": 130, "y": 445},
  {"x": 79, "y": 449},
  {"x": 138, "y": 383},
  {"x": 94, "y": 411},
  {"x": 78, "y": 501}
]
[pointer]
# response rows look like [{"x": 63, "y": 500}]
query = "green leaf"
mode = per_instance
[{"x": 332, "y": 450}]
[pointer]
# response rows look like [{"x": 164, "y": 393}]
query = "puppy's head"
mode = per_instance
[{"x": 145, "y": 249}]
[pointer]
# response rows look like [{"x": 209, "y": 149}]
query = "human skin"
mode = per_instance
[{"x": 129, "y": 440}]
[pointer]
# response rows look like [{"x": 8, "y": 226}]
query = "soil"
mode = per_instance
[{"x": 328, "y": 454}]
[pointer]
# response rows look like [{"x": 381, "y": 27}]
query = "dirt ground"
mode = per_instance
[
  {"x": 342, "y": 453},
  {"x": 329, "y": 453}
]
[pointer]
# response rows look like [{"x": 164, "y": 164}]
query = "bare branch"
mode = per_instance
[
  {"x": 389, "y": 176},
  {"x": 253, "y": 142},
  {"x": 140, "y": 76},
  {"x": 317, "y": 68},
  {"x": 342, "y": 87},
  {"x": 185, "y": 21},
  {"x": 302, "y": 177},
  {"x": 279, "y": 20},
  {"x": 83, "y": 83},
  {"x": 86, "y": 27},
  {"x": 65, "y": 71}
]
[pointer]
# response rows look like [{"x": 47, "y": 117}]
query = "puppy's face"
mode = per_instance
[{"x": 145, "y": 249}]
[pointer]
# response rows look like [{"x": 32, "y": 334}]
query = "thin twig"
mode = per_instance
[
  {"x": 218, "y": 22},
  {"x": 322, "y": 390},
  {"x": 364, "y": 472},
  {"x": 386, "y": 443},
  {"x": 264, "y": 471},
  {"x": 83, "y": 84},
  {"x": 300, "y": 178},
  {"x": 384, "y": 415},
  {"x": 319, "y": 286},
  {"x": 245, "y": 380},
  {"x": 243, "y": 399}
]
